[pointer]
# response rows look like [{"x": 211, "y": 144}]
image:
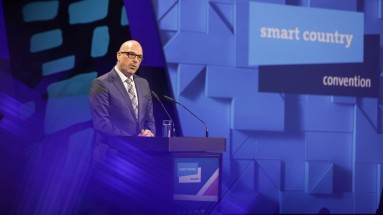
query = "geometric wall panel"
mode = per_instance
[
  {"x": 305, "y": 148},
  {"x": 366, "y": 178},
  {"x": 271, "y": 169},
  {"x": 319, "y": 177},
  {"x": 336, "y": 148}
]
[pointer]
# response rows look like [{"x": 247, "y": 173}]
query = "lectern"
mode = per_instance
[{"x": 176, "y": 175}]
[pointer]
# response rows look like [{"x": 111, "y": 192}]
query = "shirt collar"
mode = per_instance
[{"x": 122, "y": 76}]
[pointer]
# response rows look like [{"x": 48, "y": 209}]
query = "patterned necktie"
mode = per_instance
[{"x": 132, "y": 96}]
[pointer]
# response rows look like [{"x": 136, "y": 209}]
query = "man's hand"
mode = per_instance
[{"x": 146, "y": 133}]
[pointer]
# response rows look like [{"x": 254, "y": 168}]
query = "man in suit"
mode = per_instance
[
  {"x": 117, "y": 109},
  {"x": 121, "y": 105}
]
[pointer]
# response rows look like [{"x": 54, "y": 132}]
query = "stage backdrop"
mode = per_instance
[{"x": 293, "y": 85}]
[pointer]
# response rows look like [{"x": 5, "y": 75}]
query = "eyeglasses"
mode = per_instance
[{"x": 132, "y": 55}]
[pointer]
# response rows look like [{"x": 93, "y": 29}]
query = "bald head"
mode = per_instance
[
  {"x": 129, "y": 57},
  {"x": 131, "y": 44}
]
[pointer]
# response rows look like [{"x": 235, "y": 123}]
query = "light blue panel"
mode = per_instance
[
  {"x": 208, "y": 110},
  {"x": 334, "y": 147},
  {"x": 320, "y": 114},
  {"x": 124, "y": 17},
  {"x": 272, "y": 169},
  {"x": 222, "y": 81},
  {"x": 187, "y": 74},
  {"x": 293, "y": 177},
  {"x": 163, "y": 7},
  {"x": 243, "y": 145},
  {"x": 200, "y": 49},
  {"x": 173, "y": 77},
  {"x": 368, "y": 143},
  {"x": 225, "y": 11},
  {"x": 167, "y": 35},
  {"x": 205, "y": 108},
  {"x": 242, "y": 35},
  {"x": 366, "y": 177},
  {"x": 380, "y": 9},
  {"x": 287, "y": 147},
  {"x": 58, "y": 65},
  {"x": 87, "y": 11},
  {"x": 77, "y": 85},
  {"x": 68, "y": 103},
  {"x": 249, "y": 115},
  {"x": 40, "y": 11},
  {"x": 215, "y": 47},
  {"x": 366, "y": 203},
  {"x": 265, "y": 180},
  {"x": 170, "y": 20},
  {"x": 245, "y": 168},
  {"x": 100, "y": 41},
  {"x": 303, "y": 203},
  {"x": 349, "y": 5},
  {"x": 46, "y": 40},
  {"x": 369, "y": 108},
  {"x": 248, "y": 112},
  {"x": 226, "y": 163},
  {"x": 193, "y": 15},
  {"x": 293, "y": 112},
  {"x": 319, "y": 177},
  {"x": 343, "y": 100}
]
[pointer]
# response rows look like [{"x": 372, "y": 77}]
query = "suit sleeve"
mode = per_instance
[{"x": 99, "y": 106}]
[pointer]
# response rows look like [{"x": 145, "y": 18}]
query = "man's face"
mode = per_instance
[{"x": 129, "y": 58}]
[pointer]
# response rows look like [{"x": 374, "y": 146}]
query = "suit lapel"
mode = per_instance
[{"x": 121, "y": 88}]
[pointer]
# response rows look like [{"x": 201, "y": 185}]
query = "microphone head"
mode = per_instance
[
  {"x": 155, "y": 95},
  {"x": 168, "y": 98}
]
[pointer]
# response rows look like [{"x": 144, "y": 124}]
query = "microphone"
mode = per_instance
[
  {"x": 167, "y": 113},
  {"x": 172, "y": 100}
]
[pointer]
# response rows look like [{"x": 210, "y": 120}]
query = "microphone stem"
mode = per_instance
[{"x": 206, "y": 130}]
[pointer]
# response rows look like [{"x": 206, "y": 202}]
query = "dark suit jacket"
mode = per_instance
[{"x": 112, "y": 110}]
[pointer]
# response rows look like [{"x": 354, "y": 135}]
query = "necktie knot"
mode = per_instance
[{"x": 129, "y": 81}]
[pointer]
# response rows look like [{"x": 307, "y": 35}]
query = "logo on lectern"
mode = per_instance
[{"x": 188, "y": 173}]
